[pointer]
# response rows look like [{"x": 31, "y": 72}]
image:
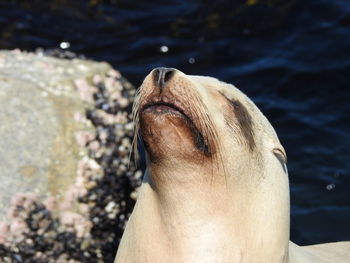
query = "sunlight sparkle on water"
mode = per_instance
[
  {"x": 64, "y": 45},
  {"x": 330, "y": 187},
  {"x": 164, "y": 49}
]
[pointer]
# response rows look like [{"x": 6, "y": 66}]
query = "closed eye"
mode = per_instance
[{"x": 244, "y": 120}]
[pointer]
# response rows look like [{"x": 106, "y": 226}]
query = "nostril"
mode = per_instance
[
  {"x": 168, "y": 75},
  {"x": 163, "y": 75}
]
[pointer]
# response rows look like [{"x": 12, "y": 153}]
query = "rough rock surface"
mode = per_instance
[
  {"x": 67, "y": 189},
  {"x": 37, "y": 105}
]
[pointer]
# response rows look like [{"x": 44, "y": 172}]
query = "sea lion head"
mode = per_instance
[
  {"x": 196, "y": 123},
  {"x": 216, "y": 184}
]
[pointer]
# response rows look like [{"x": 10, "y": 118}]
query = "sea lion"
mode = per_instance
[{"x": 216, "y": 184}]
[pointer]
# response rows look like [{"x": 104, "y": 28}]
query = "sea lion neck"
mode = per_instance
[
  {"x": 183, "y": 221},
  {"x": 187, "y": 195},
  {"x": 185, "y": 192},
  {"x": 171, "y": 175}
]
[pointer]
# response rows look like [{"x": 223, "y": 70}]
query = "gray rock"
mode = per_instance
[{"x": 38, "y": 101}]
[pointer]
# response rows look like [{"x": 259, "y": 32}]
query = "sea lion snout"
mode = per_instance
[
  {"x": 162, "y": 75},
  {"x": 171, "y": 117}
]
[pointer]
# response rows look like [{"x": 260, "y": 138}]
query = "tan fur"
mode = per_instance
[{"x": 228, "y": 205}]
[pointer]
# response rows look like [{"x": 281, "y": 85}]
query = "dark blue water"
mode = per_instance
[{"x": 292, "y": 59}]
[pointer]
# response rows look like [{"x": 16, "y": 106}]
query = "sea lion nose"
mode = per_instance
[{"x": 162, "y": 75}]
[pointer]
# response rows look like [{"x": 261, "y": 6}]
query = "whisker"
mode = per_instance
[{"x": 135, "y": 120}]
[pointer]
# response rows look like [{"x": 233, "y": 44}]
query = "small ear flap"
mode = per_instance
[{"x": 280, "y": 154}]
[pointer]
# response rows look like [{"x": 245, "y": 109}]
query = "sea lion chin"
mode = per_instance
[{"x": 216, "y": 185}]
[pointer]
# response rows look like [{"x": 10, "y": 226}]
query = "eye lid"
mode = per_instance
[
  {"x": 224, "y": 95},
  {"x": 234, "y": 103},
  {"x": 242, "y": 118}
]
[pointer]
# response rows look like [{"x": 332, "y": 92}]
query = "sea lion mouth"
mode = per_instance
[
  {"x": 175, "y": 109},
  {"x": 162, "y": 107}
]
